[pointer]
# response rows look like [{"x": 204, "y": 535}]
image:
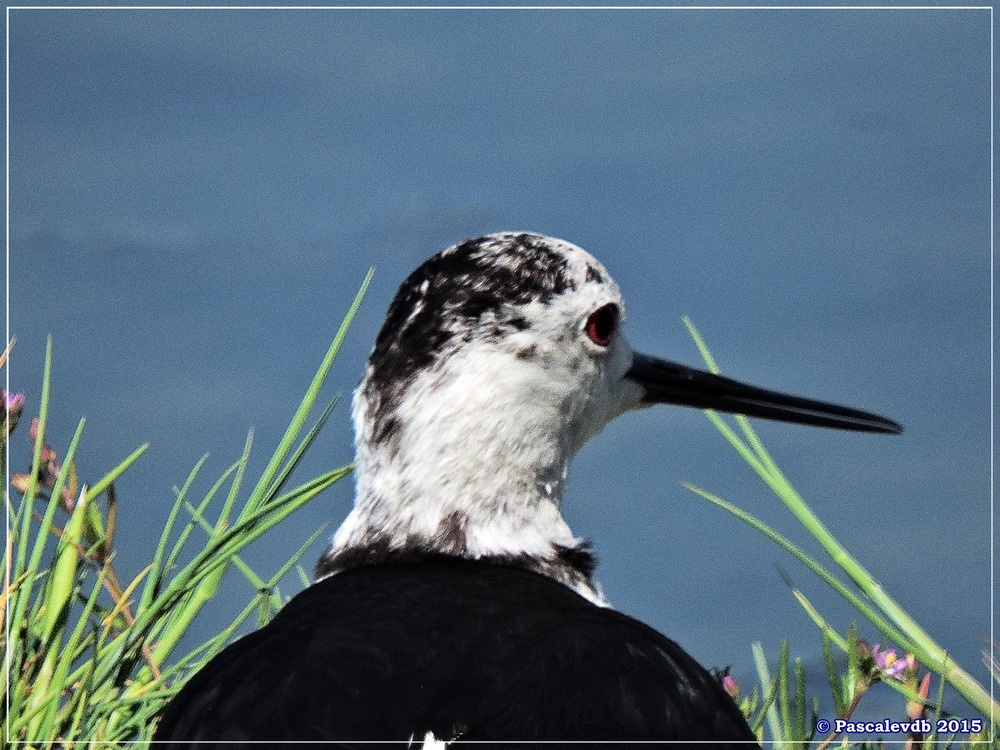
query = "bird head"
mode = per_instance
[{"x": 519, "y": 322}]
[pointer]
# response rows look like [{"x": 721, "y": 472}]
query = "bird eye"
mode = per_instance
[{"x": 602, "y": 324}]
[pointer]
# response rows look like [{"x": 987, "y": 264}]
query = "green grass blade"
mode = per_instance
[
  {"x": 181, "y": 500},
  {"x": 104, "y": 482},
  {"x": 296, "y": 456},
  {"x": 22, "y": 567},
  {"x": 45, "y": 527},
  {"x": 855, "y": 601},
  {"x": 36, "y": 464},
  {"x": 155, "y": 579},
  {"x": 58, "y": 599},
  {"x": 832, "y": 673},
  {"x": 60, "y": 685},
  {"x": 237, "y": 483},
  {"x": 287, "y": 440},
  {"x": 800, "y": 702},
  {"x": 784, "y": 701},
  {"x": 159, "y": 573},
  {"x": 769, "y": 688}
]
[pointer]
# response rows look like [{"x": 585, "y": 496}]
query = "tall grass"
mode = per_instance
[
  {"x": 904, "y": 660},
  {"x": 91, "y": 656}
]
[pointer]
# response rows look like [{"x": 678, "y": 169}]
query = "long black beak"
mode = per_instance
[{"x": 670, "y": 383}]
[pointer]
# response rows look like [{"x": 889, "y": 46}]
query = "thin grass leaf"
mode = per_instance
[
  {"x": 938, "y": 712},
  {"x": 770, "y": 689},
  {"x": 833, "y": 674},
  {"x": 59, "y": 596},
  {"x": 159, "y": 569},
  {"x": 784, "y": 701},
  {"x": 296, "y": 456},
  {"x": 46, "y": 523},
  {"x": 270, "y": 586},
  {"x": 181, "y": 500},
  {"x": 104, "y": 482},
  {"x": 60, "y": 686},
  {"x": 80, "y": 705},
  {"x": 109, "y": 531},
  {"x": 237, "y": 483},
  {"x": 256, "y": 582},
  {"x": 855, "y": 601},
  {"x": 36, "y": 465},
  {"x": 34, "y": 567},
  {"x": 56, "y": 495},
  {"x": 800, "y": 702},
  {"x": 284, "y": 446},
  {"x": 6, "y": 352},
  {"x": 12, "y": 589},
  {"x": 854, "y": 674},
  {"x": 304, "y": 578},
  {"x": 828, "y": 633},
  {"x": 294, "y": 559},
  {"x": 122, "y": 602}
]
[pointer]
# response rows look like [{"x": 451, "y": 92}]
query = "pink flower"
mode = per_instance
[
  {"x": 13, "y": 405},
  {"x": 888, "y": 663},
  {"x": 731, "y": 686}
]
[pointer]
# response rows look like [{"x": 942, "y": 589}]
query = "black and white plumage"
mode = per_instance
[{"x": 454, "y": 603}]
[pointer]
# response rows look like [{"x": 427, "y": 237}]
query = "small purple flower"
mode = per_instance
[
  {"x": 13, "y": 405},
  {"x": 888, "y": 663}
]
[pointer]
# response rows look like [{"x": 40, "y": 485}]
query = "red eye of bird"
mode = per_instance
[{"x": 601, "y": 324}]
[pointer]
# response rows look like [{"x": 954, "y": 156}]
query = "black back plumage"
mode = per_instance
[{"x": 464, "y": 649}]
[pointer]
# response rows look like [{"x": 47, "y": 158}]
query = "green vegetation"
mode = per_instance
[{"x": 91, "y": 659}]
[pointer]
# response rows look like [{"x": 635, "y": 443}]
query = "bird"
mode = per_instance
[{"x": 454, "y": 604}]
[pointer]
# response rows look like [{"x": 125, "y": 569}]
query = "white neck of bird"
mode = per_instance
[{"x": 471, "y": 468}]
